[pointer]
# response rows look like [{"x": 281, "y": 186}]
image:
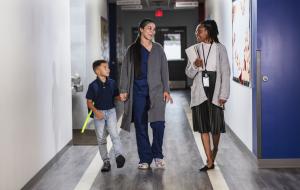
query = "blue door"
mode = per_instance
[{"x": 278, "y": 38}]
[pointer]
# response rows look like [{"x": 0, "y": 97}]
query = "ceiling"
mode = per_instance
[{"x": 155, "y": 4}]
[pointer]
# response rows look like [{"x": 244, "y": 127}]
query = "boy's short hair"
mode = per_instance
[{"x": 97, "y": 63}]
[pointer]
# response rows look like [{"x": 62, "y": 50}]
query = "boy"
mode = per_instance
[{"x": 100, "y": 99}]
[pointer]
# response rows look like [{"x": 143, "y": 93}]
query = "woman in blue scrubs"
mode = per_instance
[{"x": 145, "y": 91}]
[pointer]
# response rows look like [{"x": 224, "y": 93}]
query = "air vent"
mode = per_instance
[
  {"x": 128, "y": 2},
  {"x": 186, "y": 4},
  {"x": 132, "y": 7}
]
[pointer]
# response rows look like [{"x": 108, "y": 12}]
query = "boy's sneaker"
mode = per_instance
[
  {"x": 143, "y": 166},
  {"x": 120, "y": 160},
  {"x": 106, "y": 166},
  {"x": 160, "y": 163}
]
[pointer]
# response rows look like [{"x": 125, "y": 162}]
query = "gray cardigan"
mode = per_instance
[
  {"x": 222, "y": 86},
  {"x": 158, "y": 81}
]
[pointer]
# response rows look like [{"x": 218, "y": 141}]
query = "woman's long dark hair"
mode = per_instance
[
  {"x": 135, "y": 48},
  {"x": 212, "y": 28}
]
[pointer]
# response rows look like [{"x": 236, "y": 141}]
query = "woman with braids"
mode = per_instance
[
  {"x": 210, "y": 89},
  {"x": 145, "y": 91}
]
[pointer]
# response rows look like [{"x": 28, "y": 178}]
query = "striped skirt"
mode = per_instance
[{"x": 208, "y": 117}]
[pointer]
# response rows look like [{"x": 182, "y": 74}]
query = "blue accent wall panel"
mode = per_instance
[{"x": 278, "y": 37}]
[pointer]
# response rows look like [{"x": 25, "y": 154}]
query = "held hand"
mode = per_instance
[
  {"x": 99, "y": 114},
  {"x": 123, "y": 96},
  {"x": 198, "y": 63},
  {"x": 168, "y": 98},
  {"x": 222, "y": 102}
]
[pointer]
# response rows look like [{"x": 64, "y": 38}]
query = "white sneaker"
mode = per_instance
[
  {"x": 160, "y": 163},
  {"x": 143, "y": 166}
]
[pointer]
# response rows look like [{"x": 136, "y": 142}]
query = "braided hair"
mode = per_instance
[{"x": 212, "y": 28}]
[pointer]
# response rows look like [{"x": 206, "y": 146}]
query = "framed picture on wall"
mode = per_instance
[
  {"x": 104, "y": 46},
  {"x": 241, "y": 42}
]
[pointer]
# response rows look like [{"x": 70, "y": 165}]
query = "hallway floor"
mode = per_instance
[{"x": 79, "y": 167}]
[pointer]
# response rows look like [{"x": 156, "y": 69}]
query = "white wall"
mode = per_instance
[
  {"x": 85, "y": 34},
  {"x": 238, "y": 114},
  {"x": 35, "y": 96},
  {"x": 94, "y": 10}
]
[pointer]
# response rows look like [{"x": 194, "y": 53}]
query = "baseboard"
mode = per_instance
[
  {"x": 240, "y": 144},
  {"x": 263, "y": 163},
  {"x": 42, "y": 171},
  {"x": 278, "y": 163}
]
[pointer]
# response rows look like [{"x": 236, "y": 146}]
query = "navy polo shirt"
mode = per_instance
[{"x": 102, "y": 94}]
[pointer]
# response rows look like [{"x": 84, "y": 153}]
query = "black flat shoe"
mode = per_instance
[
  {"x": 205, "y": 168},
  {"x": 120, "y": 161},
  {"x": 106, "y": 167}
]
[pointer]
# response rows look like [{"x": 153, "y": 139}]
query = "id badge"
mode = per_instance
[{"x": 205, "y": 80}]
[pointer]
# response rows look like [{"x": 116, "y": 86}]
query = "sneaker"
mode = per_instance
[
  {"x": 106, "y": 166},
  {"x": 120, "y": 160},
  {"x": 143, "y": 166},
  {"x": 160, "y": 163}
]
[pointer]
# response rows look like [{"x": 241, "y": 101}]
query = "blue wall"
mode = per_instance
[{"x": 278, "y": 38}]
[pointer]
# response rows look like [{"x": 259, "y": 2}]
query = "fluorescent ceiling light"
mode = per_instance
[
  {"x": 186, "y": 4},
  {"x": 128, "y": 2},
  {"x": 132, "y": 7}
]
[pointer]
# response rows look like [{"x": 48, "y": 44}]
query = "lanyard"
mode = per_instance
[{"x": 205, "y": 60}]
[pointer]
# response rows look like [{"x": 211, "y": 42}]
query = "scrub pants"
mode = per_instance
[{"x": 147, "y": 152}]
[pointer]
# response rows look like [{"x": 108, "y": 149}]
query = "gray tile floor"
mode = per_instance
[
  {"x": 181, "y": 155},
  {"x": 183, "y": 161},
  {"x": 239, "y": 166},
  {"x": 67, "y": 171}
]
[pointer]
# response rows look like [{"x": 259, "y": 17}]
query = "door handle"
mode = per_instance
[{"x": 265, "y": 78}]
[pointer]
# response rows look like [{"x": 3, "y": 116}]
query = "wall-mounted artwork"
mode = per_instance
[
  {"x": 241, "y": 41},
  {"x": 104, "y": 39}
]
